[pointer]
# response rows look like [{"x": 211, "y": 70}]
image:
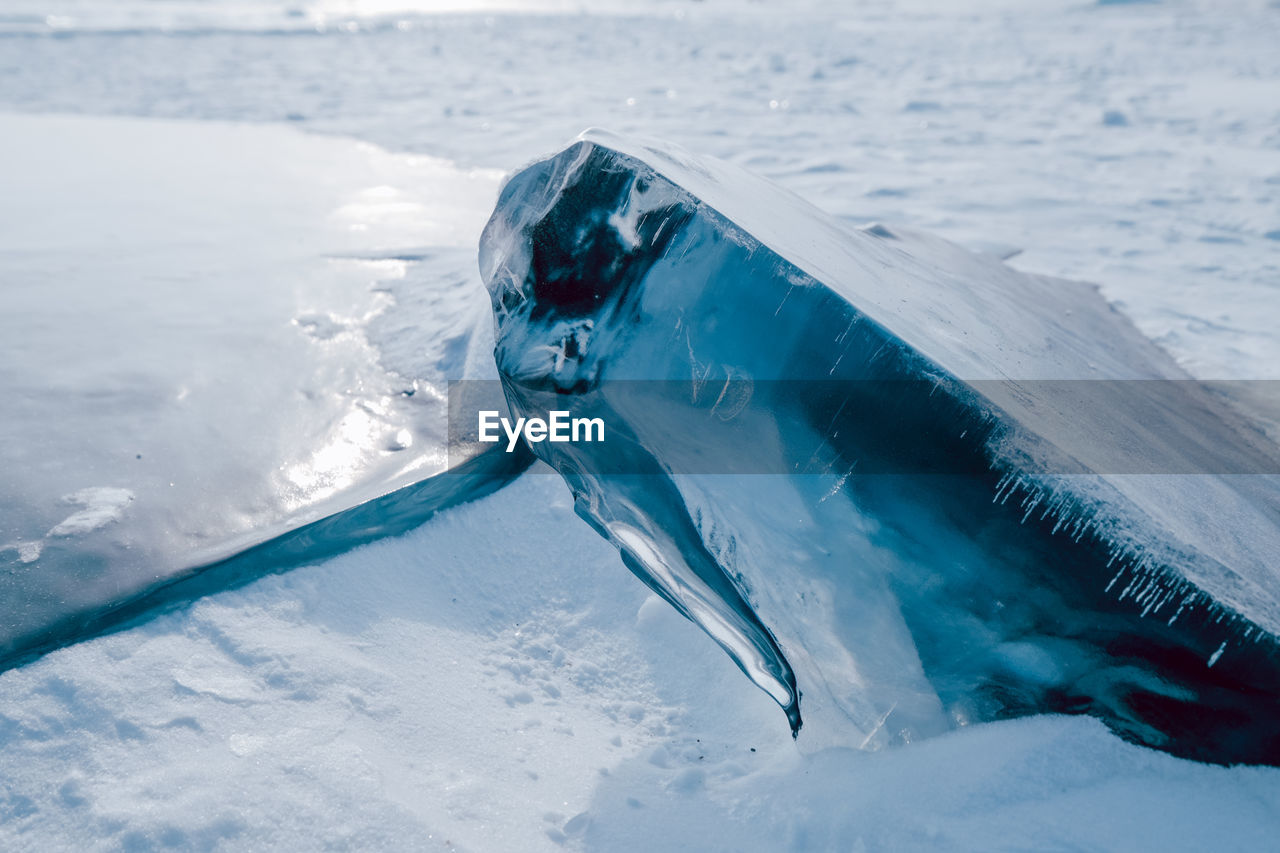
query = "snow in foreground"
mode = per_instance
[{"x": 496, "y": 681}]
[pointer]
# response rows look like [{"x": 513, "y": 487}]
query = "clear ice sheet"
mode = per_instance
[
  {"x": 1042, "y": 577},
  {"x": 210, "y": 336}
]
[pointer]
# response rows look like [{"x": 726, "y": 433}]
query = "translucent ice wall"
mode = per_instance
[{"x": 905, "y": 486}]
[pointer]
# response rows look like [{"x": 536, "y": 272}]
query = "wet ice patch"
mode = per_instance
[
  {"x": 189, "y": 319},
  {"x": 100, "y": 506},
  {"x": 28, "y": 552}
]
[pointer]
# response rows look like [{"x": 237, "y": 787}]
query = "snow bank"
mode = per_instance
[{"x": 490, "y": 682}]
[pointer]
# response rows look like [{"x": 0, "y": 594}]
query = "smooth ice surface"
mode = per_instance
[
  {"x": 645, "y": 286},
  {"x": 492, "y": 681},
  {"x": 211, "y": 334}
]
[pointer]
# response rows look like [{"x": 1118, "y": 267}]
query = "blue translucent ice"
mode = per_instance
[{"x": 905, "y": 486}]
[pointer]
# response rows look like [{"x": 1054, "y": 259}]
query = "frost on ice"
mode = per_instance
[{"x": 904, "y": 486}]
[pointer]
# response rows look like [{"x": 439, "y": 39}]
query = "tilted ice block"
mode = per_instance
[{"x": 899, "y": 481}]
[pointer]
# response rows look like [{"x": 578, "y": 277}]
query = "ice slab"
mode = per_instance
[
  {"x": 902, "y": 479},
  {"x": 211, "y": 335}
]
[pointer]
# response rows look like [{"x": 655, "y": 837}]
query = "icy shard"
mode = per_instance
[{"x": 894, "y": 479}]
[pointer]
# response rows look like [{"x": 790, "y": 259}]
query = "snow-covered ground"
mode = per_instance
[
  {"x": 496, "y": 680},
  {"x": 1133, "y": 144}
]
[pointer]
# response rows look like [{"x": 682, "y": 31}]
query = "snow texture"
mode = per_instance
[{"x": 494, "y": 681}]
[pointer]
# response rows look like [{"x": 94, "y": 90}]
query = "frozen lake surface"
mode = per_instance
[
  {"x": 495, "y": 679},
  {"x": 185, "y": 380},
  {"x": 1135, "y": 145}
]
